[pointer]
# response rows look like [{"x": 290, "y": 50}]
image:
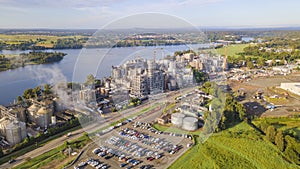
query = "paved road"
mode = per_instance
[{"x": 93, "y": 127}]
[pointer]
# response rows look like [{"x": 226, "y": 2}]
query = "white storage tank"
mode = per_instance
[
  {"x": 53, "y": 120},
  {"x": 15, "y": 132},
  {"x": 176, "y": 119},
  {"x": 190, "y": 123}
]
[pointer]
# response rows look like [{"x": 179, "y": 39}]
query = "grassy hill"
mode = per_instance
[{"x": 238, "y": 147}]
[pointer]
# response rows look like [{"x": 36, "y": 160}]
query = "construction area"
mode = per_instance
[{"x": 264, "y": 97}]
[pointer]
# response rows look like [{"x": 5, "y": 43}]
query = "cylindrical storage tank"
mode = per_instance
[
  {"x": 44, "y": 117},
  {"x": 13, "y": 132},
  {"x": 176, "y": 119},
  {"x": 23, "y": 130},
  {"x": 190, "y": 123},
  {"x": 53, "y": 120}
]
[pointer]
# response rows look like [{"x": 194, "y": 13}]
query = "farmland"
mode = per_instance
[{"x": 28, "y": 42}]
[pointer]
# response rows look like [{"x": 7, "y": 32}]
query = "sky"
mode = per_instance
[{"x": 95, "y": 14}]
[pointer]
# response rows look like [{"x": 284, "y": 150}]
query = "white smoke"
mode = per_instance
[{"x": 56, "y": 79}]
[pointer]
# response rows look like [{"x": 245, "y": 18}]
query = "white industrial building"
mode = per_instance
[{"x": 291, "y": 87}]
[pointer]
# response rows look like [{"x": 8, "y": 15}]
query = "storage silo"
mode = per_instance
[
  {"x": 32, "y": 110},
  {"x": 190, "y": 123},
  {"x": 23, "y": 130},
  {"x": 176, "y": 119},
  {"x": 15, "y": 132},
  {"x": 43, "y": 117}
]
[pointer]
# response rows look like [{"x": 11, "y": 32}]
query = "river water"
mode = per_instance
[{"x": 75, "y": 66}]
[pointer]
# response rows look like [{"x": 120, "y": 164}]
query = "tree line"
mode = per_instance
[
  {"x": 286, "y": 141},
  {"x": 226, "y": 110}
]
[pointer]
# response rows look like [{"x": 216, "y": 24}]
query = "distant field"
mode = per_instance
[
  {"x": 232, "y": 50},
  {"x": 47, "y": 41},
  {"x": 239, "y": 147}
]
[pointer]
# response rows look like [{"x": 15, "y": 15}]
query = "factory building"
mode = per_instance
[
  {"x": 87, "y": 95},
  {"x": 20, "y": 113},
  {"x": 291, "y": 87},
  {"x": 139, "y": 86},
  {"x": 155, "y": 78},
  {"x": 40, "y": 113},
  {"x": 197, "y": 64},
  {"x": 116, "y": 72}
]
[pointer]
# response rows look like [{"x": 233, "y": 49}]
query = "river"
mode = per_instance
[{"x": 75, "y": 66}]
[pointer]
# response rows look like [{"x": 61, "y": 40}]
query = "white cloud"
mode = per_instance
[{"x": 57, "y": 4}]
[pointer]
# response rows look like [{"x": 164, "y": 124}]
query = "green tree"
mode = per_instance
[
  {"x": 261, "y": 62},
  {"x": 250, "y": 65},
  {"x": 47, "y": 89},
  {"x": 36, "y": 91},
  {"x": 90, "y": 79},
  {"x": 292, "y": 150},
  {"x": 28, "y": 93},
  {"x": 19, "y": 99},
  {"x": 279, "y": 140},
  {"x": 271, "y": 133},
  {"x": 66, "y": 144}
]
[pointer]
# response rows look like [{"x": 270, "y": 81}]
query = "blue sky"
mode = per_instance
[{"x": 97, "y": 13}]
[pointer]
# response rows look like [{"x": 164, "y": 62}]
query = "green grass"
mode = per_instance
[
  {"x": 280, "y": 100},
  {"x": 169, "y": 107},
  {"x": 172, "y": 129},
  {"x": 239, "y": 147},
  {"x": 232, "y": 50},
  {"x": 42, "y": 159},
  {"x": 53, "y": 154}
]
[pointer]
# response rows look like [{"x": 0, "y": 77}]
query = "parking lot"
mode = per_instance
[{"x": 134, "y": 145}]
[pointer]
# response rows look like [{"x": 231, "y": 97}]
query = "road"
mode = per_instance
[
  {"x": 51, "y": 145},
  {"x": 93, "y": 127}
]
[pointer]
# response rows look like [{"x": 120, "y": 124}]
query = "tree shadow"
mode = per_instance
[{"x": 254, "y": 109}]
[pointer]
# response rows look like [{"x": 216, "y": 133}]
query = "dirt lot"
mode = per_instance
[{"x": 286, "y": 103}]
